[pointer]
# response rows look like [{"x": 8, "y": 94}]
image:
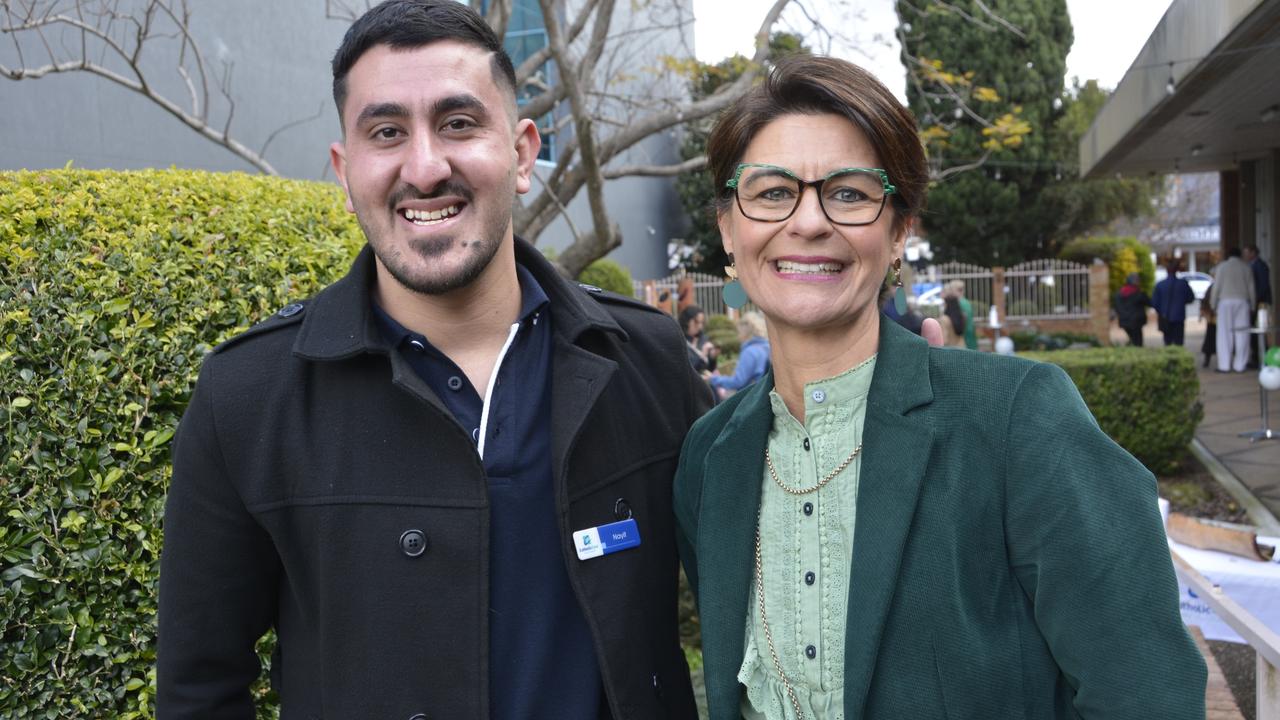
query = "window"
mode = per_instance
[{"x": 526, "y": 35}]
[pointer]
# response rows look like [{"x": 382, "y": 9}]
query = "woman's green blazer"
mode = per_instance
[{"x": 1008, "y": 558}]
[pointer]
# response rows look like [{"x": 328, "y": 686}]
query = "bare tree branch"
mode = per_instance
[{"x": 690, "y": 165}]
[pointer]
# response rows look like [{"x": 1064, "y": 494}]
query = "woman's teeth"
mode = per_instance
[
  {"x": 431, "y": 217},
  {"x": 825, "y": 268}
]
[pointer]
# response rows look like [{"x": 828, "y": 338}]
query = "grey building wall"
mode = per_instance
[{"x": 279, "y": 53}]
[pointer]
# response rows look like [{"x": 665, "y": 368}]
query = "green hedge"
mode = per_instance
[
  {"x": 1145, "y": 399},
  {"x": 608, "y": 275},
  {"x": 1123, "y": 255},
  {"x": 113, "y": 285}
]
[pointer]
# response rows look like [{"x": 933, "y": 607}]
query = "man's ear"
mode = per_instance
[
  {"x": 338, "y": 157},
  {"x": 528, "y": 144}
]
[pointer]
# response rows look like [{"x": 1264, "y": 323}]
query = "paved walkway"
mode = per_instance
[{"x": 1232, "y": 406}]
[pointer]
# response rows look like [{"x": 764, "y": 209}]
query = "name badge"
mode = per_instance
[{"x": 606, "y": 539}]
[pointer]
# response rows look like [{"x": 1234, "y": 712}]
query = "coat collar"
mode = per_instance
[
  {"x": 340, "y": 324},
  {"x": 897, "y": 447}
]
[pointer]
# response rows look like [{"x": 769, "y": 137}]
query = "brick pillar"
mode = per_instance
[
  {"x": 997, "y": 295},
  {"x": 1100, "y": 302}
]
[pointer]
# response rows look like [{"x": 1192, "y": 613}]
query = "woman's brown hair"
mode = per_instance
[{"x": 815, "y": 84}]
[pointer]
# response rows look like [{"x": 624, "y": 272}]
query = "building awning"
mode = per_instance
[{"x": 1221, "y": 59}]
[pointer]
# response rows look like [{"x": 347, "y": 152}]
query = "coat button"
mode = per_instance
[
  {"x": 657, "y": 685},
  {"x": 418, "y": 345},
  {"x": 290, "y": 310},
  {"x": 419, "y": 716},
  {"x": 621, "y": 509},
  {"x": 811, "y": 652},
  {"x": 413, "y": 543}
]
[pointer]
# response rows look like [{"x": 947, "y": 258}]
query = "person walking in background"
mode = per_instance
[
  {"x": 1170, "y": 299},
  {"x": 702, "y": 352},
  {"x": 970, "y": 330},
  {"x": 1262, "y": 297},
  {"x": 953, "y": 318},
  {"x": 1131, "y": 309},
  {"x": 1232, "y": 298},
  {"x": 753, "y": 358}
]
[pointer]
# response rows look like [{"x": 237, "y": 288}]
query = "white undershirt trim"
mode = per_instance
[{"x": 493, "y": 380}]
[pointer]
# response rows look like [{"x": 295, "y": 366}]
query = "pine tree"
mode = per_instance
[{"x": 1007, "y": 65}]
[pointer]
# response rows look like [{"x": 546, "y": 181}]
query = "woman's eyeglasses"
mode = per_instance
[{"x": 849, "y": 196}]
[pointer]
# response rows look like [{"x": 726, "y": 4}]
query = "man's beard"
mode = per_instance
[{"x": 481, "y": 250}]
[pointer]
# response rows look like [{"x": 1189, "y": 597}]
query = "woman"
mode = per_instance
[
  {"x": 702, "y": 352},
  {"x": 753, "y": 358},
  {"x": 953, "y": 319},
  {"x": 878, "y": 529}
]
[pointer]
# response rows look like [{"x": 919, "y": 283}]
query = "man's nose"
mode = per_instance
[{"x": 426, "y": 164}]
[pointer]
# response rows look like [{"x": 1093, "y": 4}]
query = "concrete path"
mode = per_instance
[{"x": 1232, "y": 405}]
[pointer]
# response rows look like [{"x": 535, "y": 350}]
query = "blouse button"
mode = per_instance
[
  {"x": 819, "y": 396},
  {"x": 809, "y": 577},
  {"x": 811, "y": 652},
  {"x": 806, "y": 443},
  {"x": 808, "y": 508}
]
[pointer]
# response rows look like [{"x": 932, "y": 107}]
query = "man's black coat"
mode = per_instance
[{"x": 309, "y": 450}]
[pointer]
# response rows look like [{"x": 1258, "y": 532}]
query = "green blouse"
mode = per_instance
[{"x": 806, "y": 552}]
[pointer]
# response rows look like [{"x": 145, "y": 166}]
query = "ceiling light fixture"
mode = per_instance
[
  {"x": 1170, "y": 86},
  {"x": 1269, "y": 114},
  {"x": 1196, "y": 149}
]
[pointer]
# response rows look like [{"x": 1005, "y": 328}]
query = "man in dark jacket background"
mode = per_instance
[
  {"x": 445, "y": 481},
  {"x": 1170, "y": 299}
]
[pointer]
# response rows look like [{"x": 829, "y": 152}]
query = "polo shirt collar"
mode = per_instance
[{"x": 340, "y": 323}]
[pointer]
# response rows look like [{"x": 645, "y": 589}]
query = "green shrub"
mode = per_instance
[
  {"x": 1123, "y": 255},
  {"x": 608, "y": 275},
  {"x": 113, "y": 286},
  {"x": 1144, "y": 399},
  {"x": 1024, "y": 340},
  {"x": 724, "y": 333}
]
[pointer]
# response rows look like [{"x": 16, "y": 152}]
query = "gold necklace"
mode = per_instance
[
  {"x": 764, "y": 618},
  {"x": 825, "y": 478}
]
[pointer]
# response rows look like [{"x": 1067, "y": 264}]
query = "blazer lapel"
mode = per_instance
[
  {"x": 894, "y": 461},
  {"x": 726, "y": 539}
]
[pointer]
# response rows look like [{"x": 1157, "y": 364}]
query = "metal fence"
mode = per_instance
[{"x": 1039, "y": 289}]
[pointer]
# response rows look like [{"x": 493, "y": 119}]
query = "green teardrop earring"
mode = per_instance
[
  {"x": 733, "y": 294},
  {"x": 900, "y": 294}
]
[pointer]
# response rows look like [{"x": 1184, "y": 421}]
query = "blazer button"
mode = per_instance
[
  {"x": 413, "y": 543},
  {"x": 621, "y": 509}
]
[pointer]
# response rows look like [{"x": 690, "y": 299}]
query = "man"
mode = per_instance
[
  {"x": 1170, "y": 299},
  {"x": 1262, "y": 293},
  {"x": 1232, "y": 298},
  {"x": 445, "y": 481}
]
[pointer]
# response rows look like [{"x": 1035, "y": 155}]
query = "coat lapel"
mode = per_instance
[
  {"x": 895, "y": 459},
  {"x": 576, "y": 384},
  {"x": 726, "y": 538}
]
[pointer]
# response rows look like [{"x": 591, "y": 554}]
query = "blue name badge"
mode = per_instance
[{"x": 606, "y": 539}]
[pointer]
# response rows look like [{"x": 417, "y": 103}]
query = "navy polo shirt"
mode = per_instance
[{"x": 542, "y": 663}]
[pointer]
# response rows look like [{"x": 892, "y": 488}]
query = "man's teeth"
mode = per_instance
[
  {"x": 430, "y": 217},
  {"x": 787, "y": 266}
]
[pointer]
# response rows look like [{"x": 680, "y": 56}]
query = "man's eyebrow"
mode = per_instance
[
  {"x": 463, "y": 101},
  {"x": 377, "y": 111}
]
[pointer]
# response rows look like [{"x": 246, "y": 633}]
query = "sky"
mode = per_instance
[{"x": 1108, "y": 34}]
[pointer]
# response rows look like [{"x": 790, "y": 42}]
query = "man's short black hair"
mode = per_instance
[
  {"x": 409, "y": 24},
  {"x": 1233, "y": 252}
]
